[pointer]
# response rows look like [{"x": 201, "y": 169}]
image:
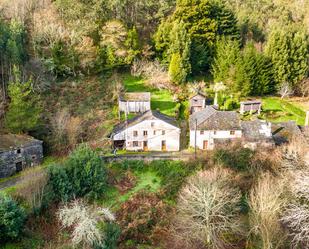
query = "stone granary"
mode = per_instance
[
  {"x": 18, "y": 152},
  {"x": 135, "y": 102},
  {"x": 197, "y": 102},
  {"x": 251, "y": 106}
]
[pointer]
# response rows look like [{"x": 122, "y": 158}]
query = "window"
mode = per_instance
[
  {"x": 135, "y": 143},
  {"x": 202, "y": 132},
  {"x": 152, "y": 124},
  {"x": 135, "y": 133},
  {"x": 163, "y": 132},
  {"x": 215, "y": 132},
  {"x": 18, "y": 151},
  {"x": 145, "y": 133},
  {"x": 154, "y": 132},
  {"x": 33, "y": 157},
  {"x": 232, "y": 132}
]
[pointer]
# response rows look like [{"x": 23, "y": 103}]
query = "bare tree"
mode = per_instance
[
  {"x": 84, "y": 220},
  {"x": 266, "y": 204},
  {"x": 285, "y": 90},
  {"x": 303, "y": 88},
  {"x": 208, "y": 209}
]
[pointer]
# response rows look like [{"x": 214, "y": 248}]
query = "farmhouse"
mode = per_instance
[
  {"x": 135, "y": 102},
  {"x": 210, "y": 127},
  {"x": 197, "y": 102},
  {"x": 18, "y": 152},
  {"x": 256, "y": 134},
  {"x": 149, "y": 131},
  {"x": 252, "y": 106}
]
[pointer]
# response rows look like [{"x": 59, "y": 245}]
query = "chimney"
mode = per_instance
[{"x": 307, "y": 119}]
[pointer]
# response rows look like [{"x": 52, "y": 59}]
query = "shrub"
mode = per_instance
[
  {"x": 12, "y": 218},
  {"x": 139, "y": 216},
  {"x": 83, "y": 174},
  {"x": 208, "y": 209},
  {"x": 237, "y": 158},
  {"x": 266, "y": 204},
  {"x": 112, "y": 234}
]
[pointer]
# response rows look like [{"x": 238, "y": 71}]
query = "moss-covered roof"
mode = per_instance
[
  {"x": 135, "y": 96},
  {"x": 11, "y": 141}
]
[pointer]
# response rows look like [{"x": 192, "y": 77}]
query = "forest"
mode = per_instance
[{"x": 63, "y": 64}]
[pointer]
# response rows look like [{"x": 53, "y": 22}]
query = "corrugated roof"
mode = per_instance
[
  {"x": 148, "y": 115},
  {"x": 135, "y": 96},
  {"x": 11, "y": 141},
  {"x": 212, "y": 119}
]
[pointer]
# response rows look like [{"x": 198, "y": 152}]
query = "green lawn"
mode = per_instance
[
  {"x": 278, "y": 110},
  {"x": 160, "y": 99},
  {"x": 148, "y": 181}
]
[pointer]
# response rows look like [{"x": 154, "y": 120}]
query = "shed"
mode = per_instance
[
  {"x": 18, "y": 152},
  {"x": 251, "y": 106},
  {"x": 134, "y": 102},
  {"x": 197, "y": 102}
]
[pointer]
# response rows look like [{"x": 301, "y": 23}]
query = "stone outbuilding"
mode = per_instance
[
  {"x": 18, "y": 152},
  {"x": 135, "y": 102},
  {"x": 197, "y": 102}
]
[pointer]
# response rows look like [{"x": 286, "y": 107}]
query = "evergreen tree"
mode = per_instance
[
  {"x": 24, "y": 111},
  {"x": 288, "y": 50},
  {"x": 176, "y": 70}
]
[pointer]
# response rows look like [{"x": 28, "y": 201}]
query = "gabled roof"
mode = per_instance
[
  {"x": 148, "y": 115},
  {"x": 256, "y": 130},
  {"x": 135, "y": 96},
  {"x": 11, "y": 141},
  {"x": 212, "y": 119},
  {"x": 198, "y": 94}
]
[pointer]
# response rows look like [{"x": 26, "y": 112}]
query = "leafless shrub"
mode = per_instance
[
  {"x": 34, "y": 190},
  {"x": 116, "y": 86},
  {"x": 266, "y": 204},
  {"x": 296, "y": 218},
  {"x": 73, "y": 130},
  {"x": 155, "y": 74},
  {"x": 84, "y": 220},
  {"x": 207, "y": 209},
  {"x": 285, "y": 90},
  {"x": 303, "y": 88}
]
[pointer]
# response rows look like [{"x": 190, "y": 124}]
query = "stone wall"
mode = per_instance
[{"x": 29, "y": 155}]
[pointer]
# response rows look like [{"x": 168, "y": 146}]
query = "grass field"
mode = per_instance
[
  {"x": 160, "y": 99},
  {"x": 278, "y": 110}
]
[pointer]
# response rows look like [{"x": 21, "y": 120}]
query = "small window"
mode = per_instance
[
  {"x": 152, "y": 124},
  {"x": 154, "y": 132},
  {"x": 18, "y": 151},
  {"x": 163, "y": 132},
  {"x": 202, "y": 132},
  {"x": 135, "y": 133},
  {"x": 232, "y": 132},
  {"x": 215, "y": 132},
  {"x": 33, "y": 157},
  {"x": 135, "y": 143},
  {"x": 145, "y": 133}
]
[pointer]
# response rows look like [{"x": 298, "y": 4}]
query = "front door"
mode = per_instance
[
  {"x": 145, "y": 145},
  {"x": 205, "y": 145},
  {"x": 163, "y": 145}
]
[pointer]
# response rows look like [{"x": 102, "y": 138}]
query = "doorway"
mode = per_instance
[
  {"x": 163, "y": 145},
  {"x": 19, "y": 166},
  {"x": 205, "y": 144},
  {"x": 145, "y": 145}
]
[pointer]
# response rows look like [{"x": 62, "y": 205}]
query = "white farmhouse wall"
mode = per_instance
[
  {"x": 210, "y": 136},
  {"x": 134, "y": 107},
  {"x": 154, "y": 136}
]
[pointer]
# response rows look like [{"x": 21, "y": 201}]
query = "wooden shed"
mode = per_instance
[
  {"x": 134, "y": 102},
  {"x": 251, "y": 106}
]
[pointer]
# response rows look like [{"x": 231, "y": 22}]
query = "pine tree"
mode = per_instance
[
  {"x": 176, "y": 70},
  {"x": 23, "y": 114}
]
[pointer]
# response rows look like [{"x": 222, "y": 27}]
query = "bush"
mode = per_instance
[
  {"x": 112, "y": 233},
  {"x": 12, "y": 218},
  {"x": 83, "y": 174},
  {"x": 237, "y": 158}
]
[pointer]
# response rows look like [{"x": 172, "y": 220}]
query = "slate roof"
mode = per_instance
[
  {"x": 283, "y": 132},
  {"x": 199, "y": 94},
  {"x": 250, "y": 102},
  {"x": 253, "y": 130},
  {"x": 135, "y": 96},
  {"x": 11, "y": 141},
  {"x": 148, "y": 115},
  {"x": 212, "y": 119}
]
